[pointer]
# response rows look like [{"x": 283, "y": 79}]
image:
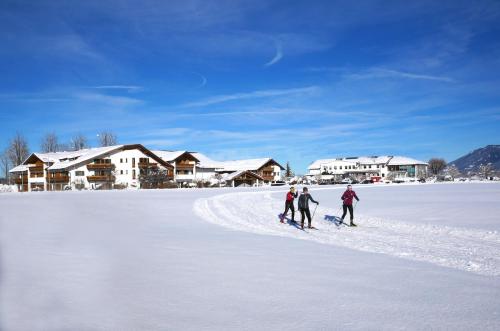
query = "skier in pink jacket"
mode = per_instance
[{"x": 347, "y": 197}]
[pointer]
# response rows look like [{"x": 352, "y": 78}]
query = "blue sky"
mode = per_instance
[{"x": 295, "y": 81}]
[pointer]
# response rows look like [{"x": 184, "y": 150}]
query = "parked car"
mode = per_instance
[
  {"x": 422, "y": 180},
  {"x": 346, "y": 181},
  {"x": 367, "y": 181}
]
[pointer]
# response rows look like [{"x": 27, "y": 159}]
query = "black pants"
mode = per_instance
[
  {"x": 303, "y": 213},
  {"x": 289, "y": 206},
  {"x": 351, "y": 211}
]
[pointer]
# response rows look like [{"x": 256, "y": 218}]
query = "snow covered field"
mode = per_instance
[{"x": 424, "y": 257}]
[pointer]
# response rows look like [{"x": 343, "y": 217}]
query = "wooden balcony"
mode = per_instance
[
  {"x": 58, "y": 179},
  {"x": 36, "y": 168},
  {"x": 184, "y": 166},
  {"x": 21, "y": 180},
  {"x": 100, "y": 166},
  {"x": 101, "y": 178},
  {"x": 147, "y": 165}
]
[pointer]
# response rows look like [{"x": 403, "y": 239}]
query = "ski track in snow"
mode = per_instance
[{"x": 472, "y": 250}]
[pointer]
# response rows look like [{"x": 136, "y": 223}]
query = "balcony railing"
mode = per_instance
[
  {"x": 21, "y": 180},
  {"x": 100, "y": 166},
  {"x": 147, "y": 165},
  {"x": 58, "y": 179},
  {"x": 101, "y": 178}
]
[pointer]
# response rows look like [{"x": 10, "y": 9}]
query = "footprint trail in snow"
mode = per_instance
[{"x": 472, "y": 250}]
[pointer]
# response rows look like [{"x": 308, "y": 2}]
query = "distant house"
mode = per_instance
[
  {"x": 184, "y": 163},
  {"x": 266, "y": 170},
  {"x": 93, "y": 168},
  {"x": 368, "y": 167}
]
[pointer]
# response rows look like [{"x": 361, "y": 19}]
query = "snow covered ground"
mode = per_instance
[{"x": 424, "y": 257}]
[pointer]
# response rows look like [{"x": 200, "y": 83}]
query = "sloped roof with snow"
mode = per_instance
[
  {"x": 206, "y": 162},
  {"x": 250, "y": 164},
  {"x": 19, "y": 168},
  {"x": 236, "y": 174},
  {"x": 85, "y": 155},
  {"x": 169, "y": 156},
  {"x": 391, "y": 160},
  {"x": 402, "y": 160},
  {"x": 317, "y": 164}
]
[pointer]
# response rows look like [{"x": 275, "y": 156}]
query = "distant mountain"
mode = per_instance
[{"x": 485, "y": 155}]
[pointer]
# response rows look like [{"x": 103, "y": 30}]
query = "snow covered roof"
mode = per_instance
[
  {"x": 19, "y": 168},
  {"x": 373, "y": 159},
  {"x": 169, "y": 156},
  {"x": 206, "y": 162},
  {"x": 401, "y": 160},
  {"x": 392, "y": 160},
  {"x": 67, "y": 159},
  {"x": 317, "y": 164},
  {"x": 250, "y": 164},
  {"x": 236, "y": 174}
]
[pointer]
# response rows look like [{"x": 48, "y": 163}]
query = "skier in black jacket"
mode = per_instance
[{"x": 304, "y": 207}]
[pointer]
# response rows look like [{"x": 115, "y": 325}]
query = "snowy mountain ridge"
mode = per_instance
[{"x": 484, "y": 155}]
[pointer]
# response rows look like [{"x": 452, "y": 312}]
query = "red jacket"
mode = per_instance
[
  {"x": 290, "y": 196},
  {"x": 347, "y": 197}
]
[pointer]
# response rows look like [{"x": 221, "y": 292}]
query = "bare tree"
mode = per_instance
[
  {"x": 107, "y": 138},
  {"x": 453, "y": 171},
  {"x": 485, "y": 170},
  {"x": 436, "y": 165},
  {"x": 18, "y": 150},
  {"x": 288, "y": 170},
  {"x": 78, "y": 142},
  {"x": 5, "y": 165},
  {"x": 50, "y": 143}
]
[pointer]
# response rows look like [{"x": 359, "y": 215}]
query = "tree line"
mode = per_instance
[{"x": 18, "y": 148}]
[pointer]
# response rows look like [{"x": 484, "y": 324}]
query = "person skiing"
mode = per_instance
[
  {"x": 290, "y": 196},
  {"x": 304, "y": 207},
  {"x": 347, "y": 197}
]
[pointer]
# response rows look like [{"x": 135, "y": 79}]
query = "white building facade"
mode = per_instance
[
  {"x": 375, "y": 168},
  {"x": 120, "y": 166}
]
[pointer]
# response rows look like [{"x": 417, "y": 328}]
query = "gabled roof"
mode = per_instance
[
  {"x": 171, "y": 156},
  {"x": 206, "y": 162},
  {"x": 19, "y": 168},
  {"x": 250, "y": 164},
  {"x": 84, "y": 155},
  {"x": 236, "y": 174},
  {"x": 72, "y": 159}
]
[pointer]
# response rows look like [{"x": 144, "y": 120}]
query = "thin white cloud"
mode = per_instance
[
  {"x": 118, "y": 87},
  {"x": 251, "y": 95},
  {"x": 115, "y": 101},
  {"x": 385, "y": 73},
  {"x": 277, "y": 57}
]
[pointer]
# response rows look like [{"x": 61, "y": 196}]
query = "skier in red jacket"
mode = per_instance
[
  {"x": 347, "y": 197},
  {"x": 290, "y": 196}
]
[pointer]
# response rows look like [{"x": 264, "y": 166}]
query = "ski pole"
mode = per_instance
[
  {"x": 314, "y": 212},
  {"x": 338, "y": 211}
]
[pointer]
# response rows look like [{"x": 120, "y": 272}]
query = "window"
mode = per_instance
[
  {"x": 335, "y": 167},
  {"x": 126, "y": 160},
  {"x": 133, "y": 173},
  {"x": 340, "y": 167},
  {"x": 126, "y": 172},
  {"x": 121, "y": 172},
  {"x": 121, "y": 160},
  {"x": 79, "y": 173},
  {"x": 133, "y": 163}
]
